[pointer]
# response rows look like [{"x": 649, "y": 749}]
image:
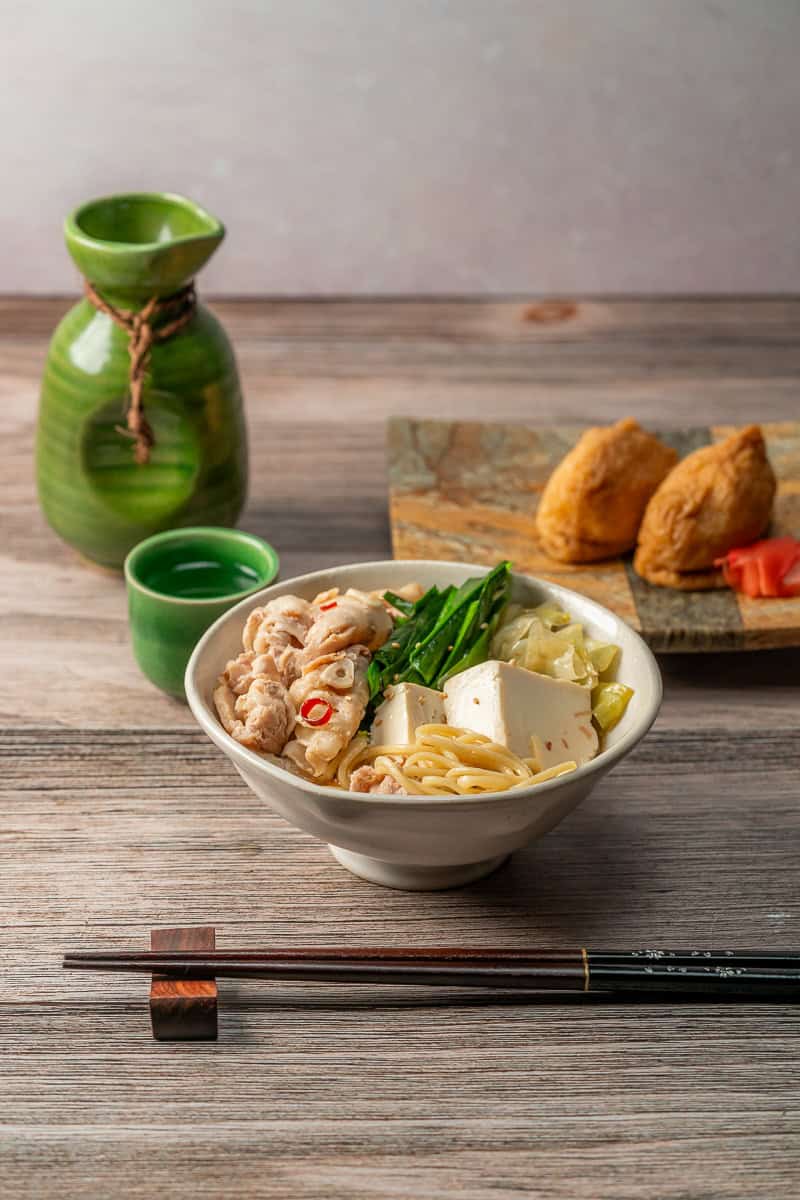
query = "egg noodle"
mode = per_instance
[{"x": 444, "y": 760}]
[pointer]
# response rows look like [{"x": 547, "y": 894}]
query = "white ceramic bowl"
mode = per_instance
[{"x": 421, "y": 843}]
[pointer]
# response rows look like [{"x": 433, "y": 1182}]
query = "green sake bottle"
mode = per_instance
[{"x": 141, "y": 425}]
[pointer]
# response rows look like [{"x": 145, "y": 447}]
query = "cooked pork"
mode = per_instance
[
  {"x": 346, "y": 619},
  {"x": 261, "y": 718},
  {"x": 367, "y": 779},
  {"x": 337, "y": 682},
  {"x": 278, "y": 631},
  {"x": 240, "y": 672}
]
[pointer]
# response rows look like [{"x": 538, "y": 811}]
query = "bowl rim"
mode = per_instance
[{"x": 599, "y": 764}]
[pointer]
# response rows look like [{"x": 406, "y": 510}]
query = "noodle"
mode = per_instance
[
  {"x": 447, "y": 761},
  {"x": 347, "y": 761}
]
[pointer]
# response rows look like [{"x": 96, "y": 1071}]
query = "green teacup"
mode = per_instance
[{"x": 179, "y": 582}]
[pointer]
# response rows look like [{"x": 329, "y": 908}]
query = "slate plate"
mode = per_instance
[{"x": 468, "y": 491}]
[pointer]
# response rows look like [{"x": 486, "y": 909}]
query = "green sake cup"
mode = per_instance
[{"x": 178, "y": 583}]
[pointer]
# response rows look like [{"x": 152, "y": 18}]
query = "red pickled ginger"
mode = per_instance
[{"x": 770, "y": 567}]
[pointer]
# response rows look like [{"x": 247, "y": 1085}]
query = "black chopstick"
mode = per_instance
[{"x": 694, "y": 972}]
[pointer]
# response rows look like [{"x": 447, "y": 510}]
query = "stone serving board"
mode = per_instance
[{"x": 468, "y": 491}]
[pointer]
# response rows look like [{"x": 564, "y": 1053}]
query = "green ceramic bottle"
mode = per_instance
[{"x": 94, "y": 492}]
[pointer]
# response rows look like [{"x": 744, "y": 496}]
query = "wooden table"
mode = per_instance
[{"x": 118, "y": 815}]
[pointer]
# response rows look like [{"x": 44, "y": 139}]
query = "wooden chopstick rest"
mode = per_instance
[{"x": 183, "y": 1010}]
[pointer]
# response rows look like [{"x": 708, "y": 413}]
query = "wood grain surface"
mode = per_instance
[{"x": 118, "y": 816}]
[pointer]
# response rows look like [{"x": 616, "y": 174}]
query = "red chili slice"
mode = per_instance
[
  {"x": 308, "y": 706},
  {"x": 325, "y": 607},
  {"x": 770, "y": 567}
]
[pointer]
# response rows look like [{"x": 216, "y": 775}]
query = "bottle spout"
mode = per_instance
[{"x": 141, "y": 244}]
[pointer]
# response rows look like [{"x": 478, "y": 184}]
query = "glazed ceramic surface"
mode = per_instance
[
  {"x": 180, "y": 582},
  {"x": 424, "y": 842},
  {"x": 93, "y": 492}
]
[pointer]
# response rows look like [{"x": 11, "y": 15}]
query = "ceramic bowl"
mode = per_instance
[{"x": 422, "y": 843}]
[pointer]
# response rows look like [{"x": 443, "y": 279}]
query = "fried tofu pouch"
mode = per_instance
[
  {"x": 593, "y": 503},
  {"x": 717, "y": 498}
]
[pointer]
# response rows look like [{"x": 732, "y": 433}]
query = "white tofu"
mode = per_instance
[
  {"x": 531, "y": 714},
  {"x": 406, "y": 706}
]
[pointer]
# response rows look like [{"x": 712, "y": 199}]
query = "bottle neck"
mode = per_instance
[{"x": 132, "y": 301}]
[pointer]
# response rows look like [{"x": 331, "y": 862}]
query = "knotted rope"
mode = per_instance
[{"x": 177, "y": 310}]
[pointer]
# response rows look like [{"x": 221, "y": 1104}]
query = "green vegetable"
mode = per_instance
[
  {"x": 609, "y": 701},
  {"x": 450, "y": 640},
  {"x": 602, "y": 655},
  {"x": 472, "y": 606},
  {"x": 444, "y": 632},
  {"x": 406, "y": 607},
  {"x": 472, "y": 644},
  {"x": 391, "y": 662},
  {"x": 478, "y": 653}
]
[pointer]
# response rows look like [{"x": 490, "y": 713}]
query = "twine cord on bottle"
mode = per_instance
[{"x": 177, "y": 310}]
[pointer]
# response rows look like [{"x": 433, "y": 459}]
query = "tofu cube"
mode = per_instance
[
  {"x": 531, "y": 714},
  {"x": 406, "y": 706}
]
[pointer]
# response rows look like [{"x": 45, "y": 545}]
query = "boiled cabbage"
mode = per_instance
[
  {"x": 609, "y": 701},
  {"x": 545, "y": 639}
]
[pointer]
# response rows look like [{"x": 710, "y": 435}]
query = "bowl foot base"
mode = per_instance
[{"x": 409, "y": 878}]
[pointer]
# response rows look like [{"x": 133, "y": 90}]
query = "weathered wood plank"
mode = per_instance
[
  {"x": 121, "y": 826},
  {"x": 117, "y": 828},
  {"x": 339, "y": 423},
  {"x": 319, "y": 1166},
  {"x": 741, "y": 322},
  {"x": 116, "y": 815}
]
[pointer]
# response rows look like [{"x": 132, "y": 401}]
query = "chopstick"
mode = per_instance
[{"x": 722, "y": 972}]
